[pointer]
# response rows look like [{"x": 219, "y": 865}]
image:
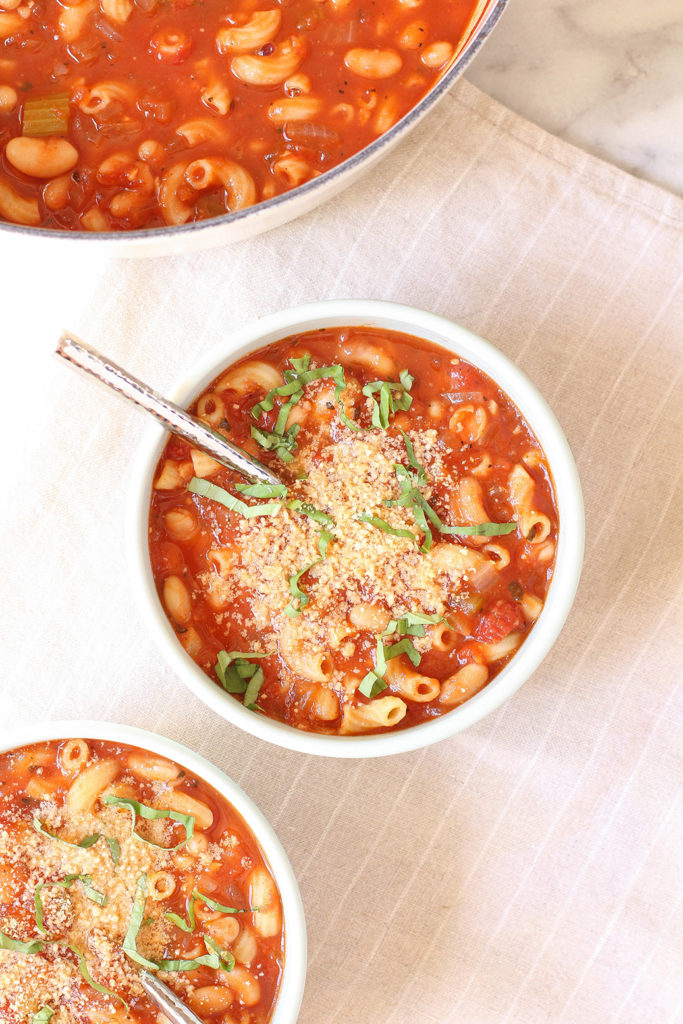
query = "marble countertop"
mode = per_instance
[{"x": 606, "y": 75}]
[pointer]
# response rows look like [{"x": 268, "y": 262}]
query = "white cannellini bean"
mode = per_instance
[
  {"x": 41, "y": 158},
  {"x": 373, "y": 63}
]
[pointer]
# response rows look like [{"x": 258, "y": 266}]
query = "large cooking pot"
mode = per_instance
[{"x": 233, "y": 227}]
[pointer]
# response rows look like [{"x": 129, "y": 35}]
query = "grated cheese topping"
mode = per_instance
[
  {"x": 28, "y": 982},
  {"x": 362, "y": 564}
]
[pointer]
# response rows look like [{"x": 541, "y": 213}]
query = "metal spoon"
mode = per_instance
[
  {"x": 172, "y": 416},
  {"x": 167, "y": 1001}
]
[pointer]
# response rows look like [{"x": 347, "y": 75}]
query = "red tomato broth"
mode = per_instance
[
  {"x": 157, "y": 93},
  {"x": 437, "y": 373},
  {"x": 229, "y": 884}
]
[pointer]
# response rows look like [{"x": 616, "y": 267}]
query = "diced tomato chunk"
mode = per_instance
[
  {"x": 469, "y": 652},
  {"x": 498, "y": 622},
  {"x": 177, "y": 449}
]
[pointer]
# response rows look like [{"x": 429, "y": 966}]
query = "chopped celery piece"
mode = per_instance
[{"x": 46, "y": 115}]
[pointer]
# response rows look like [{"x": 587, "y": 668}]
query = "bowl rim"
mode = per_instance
[
  {"x": 487, "y": 22},
  {"x": 293, "y": 978},
  {"x": 536, "y": 412}
]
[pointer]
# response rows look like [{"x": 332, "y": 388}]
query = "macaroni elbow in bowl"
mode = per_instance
[{"x": 403, "y": 566}]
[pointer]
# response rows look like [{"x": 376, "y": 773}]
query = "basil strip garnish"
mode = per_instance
[
  {"x": 206, "y": 489},
  {"x": 65, "y": 883},
  {"x": 393, "y": 395},
  {"x": 237, "y": 675},
  {"x": 373, "y": 683},
  {"x": 215, "y": 905},
  {"x": 410, "y": 480},
  {"x": 226, "y": 959},
  {"x": 318, "y": 516},
  {"x": 153, "y": 814},
  {"x": 85, "y": 974},
  {"x": 234, "y": 682},
  {"x": 262, "y": 490},
  {"x": 297, "y": 378},
  {"x": 283, "y": 444},
  {"x": 33, "y": 946},
  {"x": 295, "y": 590},
  {"x": 135, "y": 923},
  {"x": 114, "y": 848},
  {"x": 42, "y": 1016},
  {"x": 217, "y": 958},
  {"x": 382, "y": 524},
  {"x": 420, "y": 471},
  {"x": 85, "y": 843},
  {"x": 423, "y": 513},
  {"x": 197, "y": 485},
  {"x": 282, "y": 439},
  {"x": 413, "y": 624},
  {"x": 189, "y": 926},
  {"x": 253, "y": 689}
]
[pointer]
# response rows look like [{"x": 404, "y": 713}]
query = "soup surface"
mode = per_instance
[
  {"x": 119, "y": 114},
  {"x": 113, "y": 859},
  {"x": 405, "y": 564}
]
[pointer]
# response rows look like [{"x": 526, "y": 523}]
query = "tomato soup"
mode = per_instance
[
  {"x": 120, "y": 114},
  {"x": 402, "y": 563}
]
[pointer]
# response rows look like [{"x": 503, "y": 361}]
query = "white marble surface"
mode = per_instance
[{"x": 606, "y": 75}]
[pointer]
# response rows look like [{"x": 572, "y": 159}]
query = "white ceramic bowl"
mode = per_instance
[
  {"x": 233, "y": 227},
  {"x": 294, "y": 974},
  {"x": 360, "y": 312}
]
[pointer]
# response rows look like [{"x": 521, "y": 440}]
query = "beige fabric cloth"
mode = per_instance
[{"x": 528, "y": 870}]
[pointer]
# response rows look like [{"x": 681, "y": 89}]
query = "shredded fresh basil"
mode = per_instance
[
  {"x": 253, "y": 689},
  {"x": 283, "y": 444},
  {"x": 237, "y": 675},
  {"x": 225, "y": 957},
  {"x": 301, "y": 598},
  {"x": 85, "y": 843},
  {"x": 42, "y": 1016},
  {"x": 85, "y": 974},
  {"x": 65, "y": 883},
  {"x": 153, "y": 814},
  {"x": 420, "y": 471},
  {"x": 318, "y": 516},
  {"x": 262, "y": 490},
  {"x": 206, "y": 489},
  {"x": 137, "y": 914},
  {"x": 412, "y": 624},
  {"x": 190, "y": 924},
  {"x": 282, "y": 439},
  {"x": 382, "y": 524},
  {"x": 373, "y": 683},
  {"x": 393, "y": 395},
  {"x": 217, "y": 958},
  {"x": 16, "y": 946},
  {"x": 426, "y": 517},
  {"x": 296, "y": 380}
]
